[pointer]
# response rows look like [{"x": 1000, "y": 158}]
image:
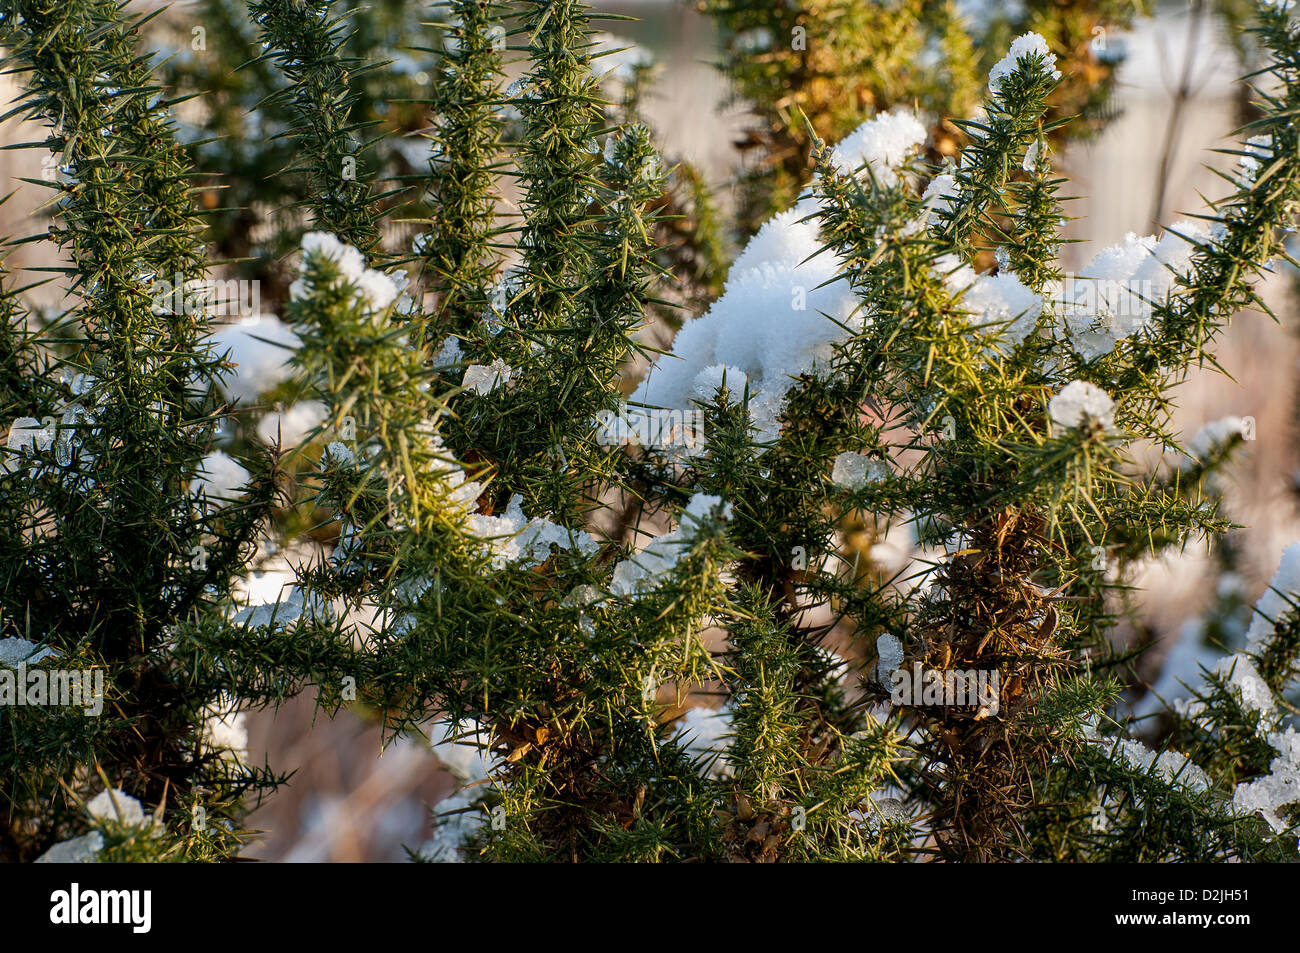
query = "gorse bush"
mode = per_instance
[
  {"x": 111, "y": 539},
  {"x": 628, "y": 622},
  {"x": 837, "y": 62}
]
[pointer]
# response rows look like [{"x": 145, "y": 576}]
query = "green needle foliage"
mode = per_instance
[
  {"x": 306, "y": 44},
  {"x": 654, "y": 645},
  {"x": 107, "y": 549},
  {"x": 242, "y": 127},
  {"x": 1031, "y": 491},
  {"x": 457, "y": 254}
]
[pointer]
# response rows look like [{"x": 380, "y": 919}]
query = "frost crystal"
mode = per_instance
[
  {"x": 1280, "y": 787},
  {"x": 27, "y": 435},
  {"x": 375, "y": 290},
  {"x": 287, "y": 608},
  {"x": 937, "y": 200},
  {"x": 1246, "y": 682},
  {"x": 449, "y": 354},
  {"x": 15, "y": 650},
  {"x": 484, "y": 378},
  {"x": 881, "y": 143},
  {"x": 1170, "y": 766},
  {"x": 351, "y": 263},
  {"x": 1030, "y": 163},
  {"x": 1243, "y": 680},
  {"x": 338, "y": 455},
  {"x": 1238, "y": 671},
  {"x": 1080, "y": 402},
  {"x": 996, "y": 303},
  {"x": 889, "y": 651},
  {"x": 715, "y": 376},
  {"x": 1258, "y": 149},
  {"x": 516, "y": 538},
  {"x": 880, "y": 812},
  {"x": 705, "y": 506},
  {"x": 78, "y": 850},
  {"x": 853, "y": 471},
  {"x": 1115, "y": 296}
]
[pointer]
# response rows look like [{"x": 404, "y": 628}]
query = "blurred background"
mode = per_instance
[{"x": 1177, "y": 100}]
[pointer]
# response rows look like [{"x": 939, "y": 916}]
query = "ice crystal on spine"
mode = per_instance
[
  {"x": 78, "y": 850},
  {"x": 449, "y": 354},
  {"x": 889, "y": 652},
  {"x": 117, "y": 806},
  {"x": 516, "y": 538},
  {"x": 338, "y": 454},
  {"x": 1259, "y": 150},
  {"x": 1246, "y": 682},
  {"x": 715, "y": 376},
  {"x": 882, "y": 144},
  {"x": 26, "y": 434},
  {"x": 485, "y": 378},
  {"x": 1030, "y": 163},
  {"x": 1000, "y": 302},
  {"x": 15, "y": 650},
  {"x": 936, "y": 200},
  {"x": 1170, "y": 766},
  {"x": 853, "y": 471},
  {"x": 1238, "y": 674}
]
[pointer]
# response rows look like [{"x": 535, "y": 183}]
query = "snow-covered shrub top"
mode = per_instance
[
  {"x": 783, "y": 307},
  {"x": 1115, "y": 296},
  {"x": 1030, "y": 44}
]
